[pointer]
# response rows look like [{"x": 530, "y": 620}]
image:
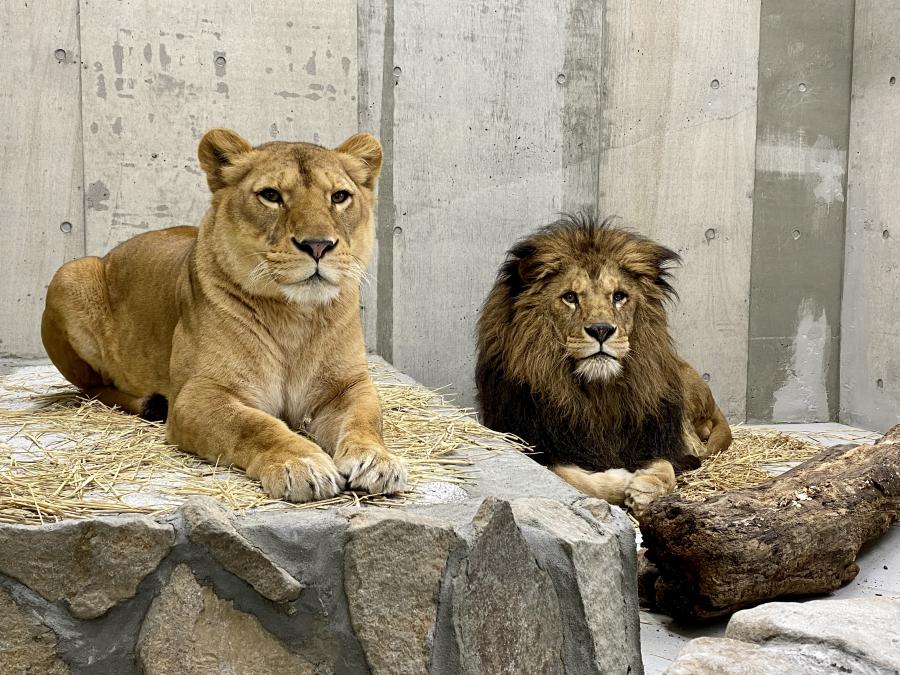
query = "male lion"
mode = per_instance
[
  {"x": 575, "y": 357},
  {"x": 248, "y": 326}
]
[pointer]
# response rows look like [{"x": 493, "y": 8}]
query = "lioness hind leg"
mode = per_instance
[
  {"x": 609, "y": 485},
  {"x": 655, "y": 480}
]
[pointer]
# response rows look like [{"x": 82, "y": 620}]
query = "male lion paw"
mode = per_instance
[
  {"x": 371, "y": 469},
  {"x": 657, "y": 480},
  {"x": 302, "y": 478}
]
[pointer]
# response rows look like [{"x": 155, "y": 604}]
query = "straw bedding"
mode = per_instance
[{"x": 62, "y": 456}]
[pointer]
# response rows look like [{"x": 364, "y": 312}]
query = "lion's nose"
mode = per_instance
[
  {"x": 315, "y": 247},
  {"x": 600, "y": 331}
]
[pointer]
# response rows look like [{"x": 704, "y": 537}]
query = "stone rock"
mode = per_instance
[
  {"x": 26, "y": 645},
  {"x": 860, "y": 636},
  {"x": 867, "y": 628},
  {"x": 603, "y": 603},
  {"x": 505, "y": 613},
  {"x": 393, "y": 566},
  {"x": 189, "y": 630},
  {"x": 208, "y": 524},
  {"x": 91, "y": 564},
  {"x": 723, "y": 656}
]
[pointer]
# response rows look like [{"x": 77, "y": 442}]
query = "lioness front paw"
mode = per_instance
[
  {"x": 302, "y": 478},
  {"x": 371, "y": 469}
]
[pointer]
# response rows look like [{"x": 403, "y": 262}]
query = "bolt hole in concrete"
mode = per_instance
[
  {"x": 60, "y": 55},
  {"x": 706, "y": 377},
  {"x": 802, "y": 86},
  {"x": 220, "y": 60},
  {"x": 561, "y": 78},
  {"x": 795, "y": 234},
  {"x": 879, "y": 383},
  {"x": 885, "y": 234},
  {"x": 65, "y": 227},
  {"x": 714, "y": 84},
  {"x": 893, "y": 80},
  {"x": 398, "y": 230},
  {"x": 710, "y": 234},
  {"x": 397, "y": 71}
]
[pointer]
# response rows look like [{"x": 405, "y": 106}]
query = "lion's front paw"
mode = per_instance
[
  {"x": 302, "y": 478},
  {"x": 371, "y": 469},
  {"x": 657, "y": 480}
]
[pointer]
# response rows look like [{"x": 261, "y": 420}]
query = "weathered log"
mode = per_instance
[{"x": 796, "y": 534}]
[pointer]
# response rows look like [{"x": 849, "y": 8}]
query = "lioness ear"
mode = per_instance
[
  {"x": 365, "y": 165},
  {"x": 219, "y": 148}
]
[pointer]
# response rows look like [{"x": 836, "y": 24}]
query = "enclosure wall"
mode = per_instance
[{"x": 720, "y": 128}]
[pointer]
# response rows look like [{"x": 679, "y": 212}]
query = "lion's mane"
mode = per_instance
[{"x": 525, "y": 380}]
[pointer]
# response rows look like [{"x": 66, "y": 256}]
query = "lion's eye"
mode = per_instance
[
  {"x": 571, "y": 297},
  {"x": 620, "y": 296},
  {"x": 339, "y": 197},
  {"x": 270, "y": 195}
]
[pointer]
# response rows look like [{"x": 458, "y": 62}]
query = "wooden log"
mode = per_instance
[{"x": 796, "y": 534}]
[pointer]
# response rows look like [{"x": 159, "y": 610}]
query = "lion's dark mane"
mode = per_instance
[{"x": 596, "y": 425}]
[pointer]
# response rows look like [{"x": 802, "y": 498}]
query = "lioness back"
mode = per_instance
[{"x": 248, "y": 325}]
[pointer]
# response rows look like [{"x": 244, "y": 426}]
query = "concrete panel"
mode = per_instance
[
  {"x": 803, "y": 109},
  {"x": 677, "y": 162},
  {"x": 160, "y": 74},
  {"x": 495, "y": 131},
  {"x": 870, "y": 357},
  {"x": 373, "y": 24},
  {"x": 42, "y": 222}
]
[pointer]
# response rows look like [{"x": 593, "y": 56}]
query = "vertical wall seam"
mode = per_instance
[
  {"x": 601, "y": 107},
  {"x": 384, "y": 332},
  {"x": 80, "y": 139},
  {"x": 840, "y": 335},
  {"x": 753, "y": 219}
]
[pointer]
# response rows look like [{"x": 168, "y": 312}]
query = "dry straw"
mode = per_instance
[
  {"x": 62, "y": 456},
  {"x": 754, "y": 456}
]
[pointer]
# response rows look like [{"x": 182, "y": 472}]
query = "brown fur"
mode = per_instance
[
  {"x": 230, "y": 323},
  {"x": 590, "y": 406}
]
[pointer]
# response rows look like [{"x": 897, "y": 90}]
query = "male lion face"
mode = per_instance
[
  {"x": 294, "y": 219},
  {"x": 594, "y": 314}
]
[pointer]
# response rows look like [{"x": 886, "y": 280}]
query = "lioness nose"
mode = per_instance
[
  {"x": 315, "y": 247},
  {"x": 600, "y": 331}
]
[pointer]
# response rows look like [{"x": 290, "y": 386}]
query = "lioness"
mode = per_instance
[
  {"x": 249, "y": 325},
  {"x": 575, "y": 357}
]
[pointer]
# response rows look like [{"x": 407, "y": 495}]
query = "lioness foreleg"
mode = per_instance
[
  {"x": 349, "y": 426},
  {"x": 210, "y": 421}
]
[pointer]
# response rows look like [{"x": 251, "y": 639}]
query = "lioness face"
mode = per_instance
[
  {"x": 594, "y": 315},
  {"x": 294, "y": 220}
]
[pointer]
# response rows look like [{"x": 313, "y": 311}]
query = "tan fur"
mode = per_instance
[
  {"x": 706, "y": 426},
  {"x": 230, "y": 323}
]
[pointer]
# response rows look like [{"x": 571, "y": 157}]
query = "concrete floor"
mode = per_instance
[{"x": 879, "y": 575}]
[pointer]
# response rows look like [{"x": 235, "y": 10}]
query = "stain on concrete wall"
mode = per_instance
[{"x": 798, "y": 209}]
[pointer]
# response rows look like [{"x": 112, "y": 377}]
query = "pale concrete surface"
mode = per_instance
[{"x": 662, "y": 639}]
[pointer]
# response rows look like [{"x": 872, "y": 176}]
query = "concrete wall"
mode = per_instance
[{"x": 721, "y": 129}]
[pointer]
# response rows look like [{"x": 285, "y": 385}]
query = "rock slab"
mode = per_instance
[
  {"x": 90, "y": 564},
  {"x": 393, "y": 566},
  {"x": 506, "y": 613},
  {"x": 189, "y": 630},
  {"x": 208, "y": 524},
  {"x": 26, "y": 645},
  {"x": 859, "y": 636}
]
